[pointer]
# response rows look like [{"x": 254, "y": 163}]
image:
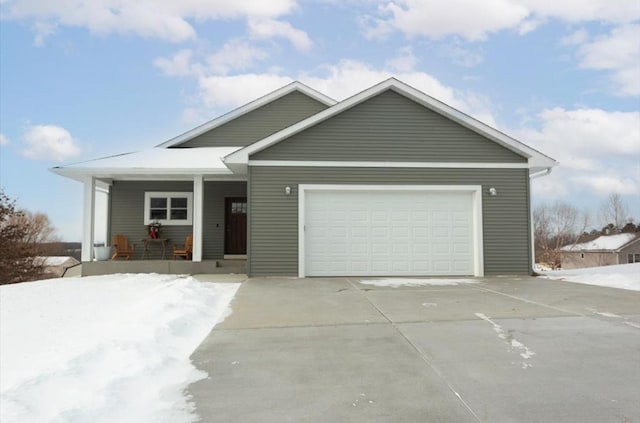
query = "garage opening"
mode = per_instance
[{"x": 361, "y": 230}]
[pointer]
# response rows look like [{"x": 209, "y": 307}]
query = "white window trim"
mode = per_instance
[
  {"x": 168, "y": 195},
  {"x": 475, "y": 190}
]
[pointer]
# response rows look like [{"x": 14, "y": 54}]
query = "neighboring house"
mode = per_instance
[
  {"x": 387, "y": 182},
  {"x": 57, "y": 265},
  {"x": 602, "y": 251}
]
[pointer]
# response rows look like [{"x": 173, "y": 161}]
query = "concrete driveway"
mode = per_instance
[{"x": 499, "y": 350}]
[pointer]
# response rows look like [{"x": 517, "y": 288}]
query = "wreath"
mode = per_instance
[{"x": 154, "y": 229}]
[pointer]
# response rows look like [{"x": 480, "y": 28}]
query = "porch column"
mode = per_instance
[
  {"x": 198, "y": 204},
  {"x": 88, "y": 218}
]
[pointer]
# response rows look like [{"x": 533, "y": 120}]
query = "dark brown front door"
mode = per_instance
[{"x": 235, "y": 239}]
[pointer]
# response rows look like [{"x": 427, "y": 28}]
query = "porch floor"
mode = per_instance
[{"x": 172, "y": 267}]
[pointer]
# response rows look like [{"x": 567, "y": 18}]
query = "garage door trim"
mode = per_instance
[{"x": 475, "y": 190}]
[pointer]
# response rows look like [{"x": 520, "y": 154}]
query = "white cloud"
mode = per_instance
[
  {"x": 619, "y": 52},
  {"x": 235, "y": 55},
  {"x": 463, "y": 56},
  {"x": 49, "y": 142},
  {"x": 225, "y": 92},
  {"x": 474, "y": 20},
  {"x": 163, "y": 19},
  {"x": 470, "y": 19},
  {"x": 177, "y": 65},
  {"x": 4, "y": 140},
  {"x": 221, "y": 92},
  {"x": 575, "y": 38},
  {"x": 405, "y": 61},
  {"x": 271, "y": 28},
  {"x": 585, "y": 10},
  {"x": 598, "y": 151}
]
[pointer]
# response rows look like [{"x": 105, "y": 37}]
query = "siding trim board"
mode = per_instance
[
  {"x": 474, "y": 190},
  {"x": 445, "y": 165}
]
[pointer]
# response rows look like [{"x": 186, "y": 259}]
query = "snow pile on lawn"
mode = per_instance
[
  {"x": 623, "y": 276},
  {"x": 104, "y": 349},
  {"x": 396, "y": 283}
]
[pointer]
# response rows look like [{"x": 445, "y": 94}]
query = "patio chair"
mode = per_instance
[
  {"x": 184, "y": 250},
  {"x": 123, "y": 248}
]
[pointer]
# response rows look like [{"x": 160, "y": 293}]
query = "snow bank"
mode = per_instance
[
  {"x": 622, "y": 276},
  {"x": 395, "y": 282},
  {"x": 105, "y": 348}
]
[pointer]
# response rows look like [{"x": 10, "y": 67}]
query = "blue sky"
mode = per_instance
[{"x": 84, "y": 79}]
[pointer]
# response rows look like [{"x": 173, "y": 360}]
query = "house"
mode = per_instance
[
  {"x": 602, "y": 251},
  {"x": 56, "y": 266},
  {"x": 387, "y": 182}
]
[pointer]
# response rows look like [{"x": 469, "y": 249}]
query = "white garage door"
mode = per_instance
[{"x": 388, "y": 232}]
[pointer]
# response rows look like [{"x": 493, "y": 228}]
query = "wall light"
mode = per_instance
[
  {"x": 287, "y": 190},
  {"x": 493, "y": 192}
]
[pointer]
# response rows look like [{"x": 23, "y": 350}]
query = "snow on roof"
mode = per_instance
[
  {"x": 58, "y": 260},
  {"x": 204, "y": 160},
  {"x": 605, "y": 242}
]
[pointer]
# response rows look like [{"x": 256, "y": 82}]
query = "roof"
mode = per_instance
[
  {"x": 536, "y": 160},
  {"x": 154, "y": 161},
  {"x": 58, "y": 260},
  {"x": 287, "y": 89},
  {"x": 604, "y": 243}
]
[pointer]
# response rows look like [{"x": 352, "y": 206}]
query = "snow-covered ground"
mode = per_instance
[
  {"x": 104, "y": 349},
  {"x": 398, "y": 282},
  {"x": 623, "y": 276}
]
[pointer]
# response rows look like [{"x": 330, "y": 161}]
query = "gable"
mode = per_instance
[
  {"x": 389, "y": 127},
  {"x": 259, "y": 123}
]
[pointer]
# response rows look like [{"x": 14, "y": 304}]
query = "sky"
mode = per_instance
[{"x": 82, "y": 79}]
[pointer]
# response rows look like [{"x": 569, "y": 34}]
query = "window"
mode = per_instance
[
  {"x": 168, "y": 208},
  {"x": 633, "y": 258},
  {"x": 239, "y": 207},
  {"x": 582, "y": 255}
]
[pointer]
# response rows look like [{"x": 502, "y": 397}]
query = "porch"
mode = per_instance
[{"x": 172, "y": 267}]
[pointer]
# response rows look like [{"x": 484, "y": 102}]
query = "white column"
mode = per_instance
[
  {"x": 88, "y": 218},
  {"x": 198, "y": 203}
]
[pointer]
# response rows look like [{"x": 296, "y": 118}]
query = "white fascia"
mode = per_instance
[
  {"x": 234, "y": 114},
  {"x": 475, "y": 190}
]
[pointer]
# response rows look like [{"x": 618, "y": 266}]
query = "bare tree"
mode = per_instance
[
  {"x": 555, "y": 226},
  {"x": 21, "y": 234},
  {"x": 614, "y": 210}
]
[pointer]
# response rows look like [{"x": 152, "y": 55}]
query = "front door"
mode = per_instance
[{"x": 235, "y": 240}]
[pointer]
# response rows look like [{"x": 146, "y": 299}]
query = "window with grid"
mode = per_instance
[{"x": 168, "y": 208}]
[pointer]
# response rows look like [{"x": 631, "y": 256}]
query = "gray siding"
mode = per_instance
[
  {"x": 389, "y": 127},
  {"x": 127, "y": 213},
  {"x": 273, "y": 240},
  {"x": 259, "y": 123}
]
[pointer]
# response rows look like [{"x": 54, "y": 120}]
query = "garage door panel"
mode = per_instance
[{"x": 388, "y": 233}]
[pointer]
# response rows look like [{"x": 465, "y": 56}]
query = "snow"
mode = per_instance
[
  {"x": 206, "y": 159},
  {"x": 605, "y": 242},
  {"x": 622, "y": 276},
  {"x": 514, "y": 345},
  {"x": 396, "y": 283},
  {"x": 104, "y": 348},
  {"x": 57, "y": 260}
]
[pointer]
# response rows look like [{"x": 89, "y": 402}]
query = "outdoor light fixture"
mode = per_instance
[
  {"x": 287, "y": 190},
  {"x": 493, "y": 192}
]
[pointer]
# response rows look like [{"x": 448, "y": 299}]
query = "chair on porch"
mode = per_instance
[
  {"x": 185, "y": 252},
  {"x": 123, "y": 248}
]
